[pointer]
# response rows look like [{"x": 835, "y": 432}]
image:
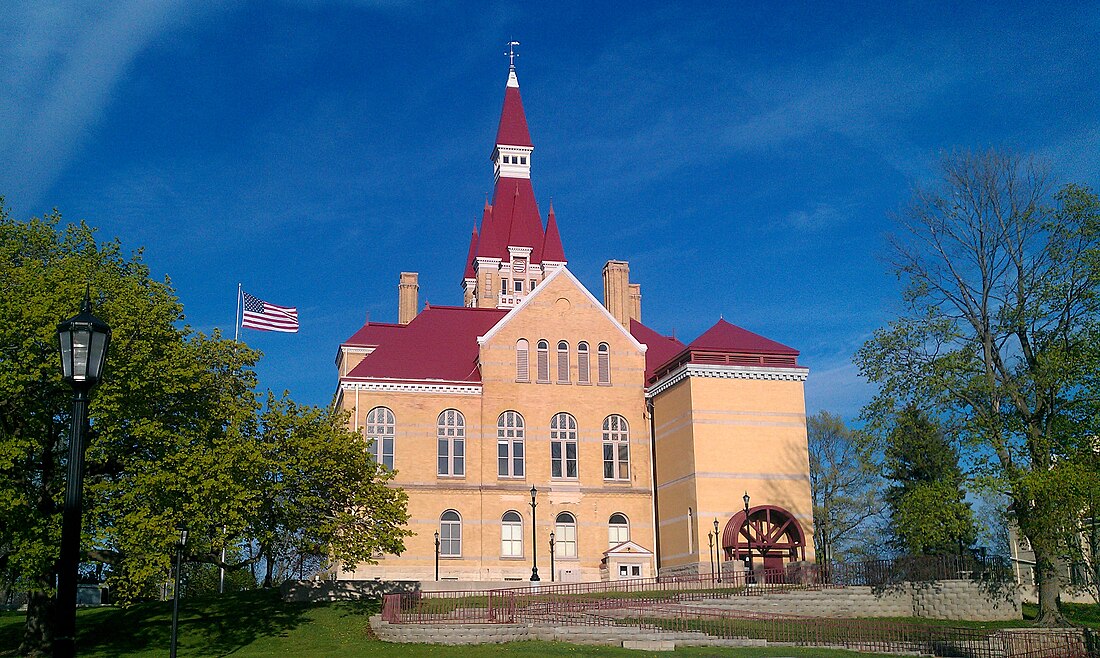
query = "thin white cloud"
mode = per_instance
[{"x": 59, "y": 64}]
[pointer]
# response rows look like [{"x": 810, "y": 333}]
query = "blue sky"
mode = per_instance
[{"x": 745, "y": 158}]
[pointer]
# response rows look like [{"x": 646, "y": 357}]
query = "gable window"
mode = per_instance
[
  {"x": 522, "y": 373},
  {"x": 379, "y": 432},
  {"x": 583, "y": 373},
  {"x": 510, "y": 445},
  {"x": 563, "y": 362},
  {"x": 616, "y": 448},
  {"x": 450, "y": 534},
  {"x": 451, "y": 435},
  {"x": 618, "y": 530},
  {"x": 603, "y": 363},
  {"x": 542, "y": 349},
  {"x": 565, "y": 535},
  {"x": 511, "y": 534},
  {"x": 563, "y": 446}
]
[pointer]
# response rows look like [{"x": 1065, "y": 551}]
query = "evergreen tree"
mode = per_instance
[{"x": 929, "y": 515}]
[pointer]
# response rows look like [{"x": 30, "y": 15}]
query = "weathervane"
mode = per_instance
[{"x": 512, "y": 54}]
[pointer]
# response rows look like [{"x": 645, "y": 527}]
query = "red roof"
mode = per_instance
[
  {"x": 725, "y": 337},
  {"x": 372, "y": 334},
  {"x": 439, "y": 344},
  {"x": 513, "y": 122},
  {"x": 513, "y": 220},
  {"x": 551, "y": 243},
  {"x": 659, "y": 349}
]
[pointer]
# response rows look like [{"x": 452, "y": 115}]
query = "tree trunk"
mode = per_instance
[
  {"x": 1047, "y": 568},
  {"x": 268, "y": 575},
  {"x": 39, "y": 628}
]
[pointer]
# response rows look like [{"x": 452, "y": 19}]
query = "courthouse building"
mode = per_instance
[{"x": 635, "y": 445}]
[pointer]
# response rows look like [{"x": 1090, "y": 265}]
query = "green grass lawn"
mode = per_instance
[{"x": 260, "y": 624}]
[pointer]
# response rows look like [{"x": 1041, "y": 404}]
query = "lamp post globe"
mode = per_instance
[{"x": 83, "y": 341}]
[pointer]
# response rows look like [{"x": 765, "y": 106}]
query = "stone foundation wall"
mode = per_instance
[{"x": 950, "y": 599}]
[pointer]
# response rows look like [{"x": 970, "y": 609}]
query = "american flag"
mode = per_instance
[{"x": 264, "y": 316}]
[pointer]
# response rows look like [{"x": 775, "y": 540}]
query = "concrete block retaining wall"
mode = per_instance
[{"x": 948, "y": 599}]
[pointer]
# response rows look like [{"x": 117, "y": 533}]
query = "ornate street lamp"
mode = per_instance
[
  {"x": 551, "y": 557},
  {"x": 83, "y": 340},
  {"x": 534, "y": 540},
  {"x": 176, "y": 593},
  {"x": 748, "y": 540},
  {"x": 717, "y": 550},
  {"x": 437, "y": 555},
  {"x": 710, "y": 552}
]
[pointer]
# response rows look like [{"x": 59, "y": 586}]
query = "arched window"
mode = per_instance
[
  {"x": 603, "y": 363},
  {"x": 584, "y": 376},
  {"x": 511, "y": 535},
  {"x": 616, "y": 448},
  {"x": 379, "y": 432},
  {"x": 542, "y": 349},
  {"x": 563, "y": 362},
  {"x": 565, "y": 535},
  {"x": 451, "y": 438},
  {"x": 510, "y": 445},
  {"x": 563, "y": 446},
  {"x": 522, "y": 372},
  {"x": 450, "y": 534},
  {"x": 618, "y": 530}
]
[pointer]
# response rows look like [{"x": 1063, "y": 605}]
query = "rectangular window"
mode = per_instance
[
  {"x": 519, "y": 285},
  {"x": 563, "y": 459},
  {"x": 523, "y": 159},
  {"x": 511, "y": 540},
  {"x": 565, "y": 540},
  {"x": 583, "y": 372},
  {"x": 504, "y": 286},
  {"x": 635, "y": 570},
  {"x": 532, "y": 285},
  {"x": 460, "y": 457},
  {"x": 444, "y": 456}
]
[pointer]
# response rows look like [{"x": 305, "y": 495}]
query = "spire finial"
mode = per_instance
[{"x": 512, "y": 55}]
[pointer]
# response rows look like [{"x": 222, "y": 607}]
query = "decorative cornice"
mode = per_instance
[
  {"x": 411, "y": 387},
  {"x": 727, "y": 372}
]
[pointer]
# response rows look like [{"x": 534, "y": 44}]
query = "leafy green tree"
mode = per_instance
[
  {"x": 324, "y": 494},
  {"x": 846, "y": 491},
  {"x": 999, "y": 337},
  {"x": 929, "y": 513},
  {"x": 177, "y": 435}
]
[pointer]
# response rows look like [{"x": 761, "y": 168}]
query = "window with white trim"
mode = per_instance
[
  {"x": 511, "y": 534},
  {"x": 616, "y": 448},
  {"x": 542, "y": 349},
  {"x": 618, "y": 530},
  {"x": 523, "y": 373},
  {"x": 584, "y": 375},
  {"x": 379, "y": 431},
  {"x": 450, "y": 534},
  {"x": 565, "y": 535},
  {"x": 603, "y": 363},
  {"x": 510, "y": 454},
  {"x": 451, "y": 441},
  {"x": 563, "y": 446},
  {"x": 563, "y": 362}
]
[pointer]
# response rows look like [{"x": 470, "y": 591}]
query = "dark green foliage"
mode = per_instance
[{"x": 929, "y": 515}]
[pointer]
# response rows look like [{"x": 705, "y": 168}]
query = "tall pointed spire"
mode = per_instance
[
  {"x": 551, "y": 243},
  {"x": 470, "y": 255}
]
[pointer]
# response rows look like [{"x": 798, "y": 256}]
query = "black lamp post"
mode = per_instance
[
  {"x": 748, "y": 537},
  {"x": 534, "y": 540},
  {"x": 551, "y": 557},
  {"x": 83, "y": 340},
  {"x": 176, "y": 591},
  {"x": 710, "y": 552},
  {"x": 717, "y": 551},
  {"x": 437, "y": 555}
]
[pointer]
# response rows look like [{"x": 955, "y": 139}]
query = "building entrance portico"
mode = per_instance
[{"x": 765, "y": 536}]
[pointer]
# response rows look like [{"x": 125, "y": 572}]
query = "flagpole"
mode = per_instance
[{"x": 237, "y": 325}]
